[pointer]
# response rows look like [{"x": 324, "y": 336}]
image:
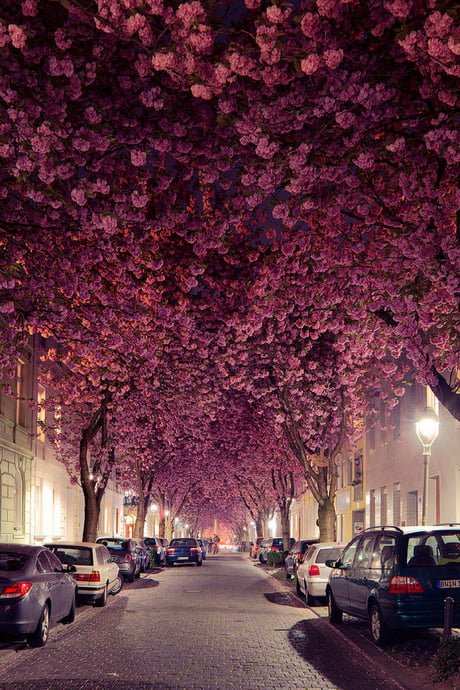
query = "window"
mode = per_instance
[
  {"x": 18, "y": 502},
  {"x": 43, "y": 564},
  {"x": 412, "y": 508},
  {"x": 21, "y": 393},
  {"x": 383, "y": 424},
  {"x": 396, "y": 503},
  {"x": 41, "y": 414},
  {"x": 384, "y": 553},
  {"x": 348, "y": 555},
  {"x": 431, "y": 400},
  {"x": 383, "y": 506},
  {"x": 56, "y": 565},
  {"x": 396, "y": 421},
  {"x": 372, "y": 507},
  {"x": 364, "y": 553},
  {"x": 372, "y": 437}
]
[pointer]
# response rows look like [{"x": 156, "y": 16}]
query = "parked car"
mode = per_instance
[
  {"x": 144, "y": 554},
  {"x": 313, "y": 573},
  {"x": 96, "y": 574},
  {"x": 184, "y": 550},
  {"x": 203, "y": 548},
  {"x": 157, "y": 551},
  {"x": 296, "y": 555},
  {"x": 275, "y": 544},
  {"x": 35, "y": 591},
  {"x": 125, "y": 554},
  {"x": 254, "y": 547},
  {"x": 397, "y": 578}
]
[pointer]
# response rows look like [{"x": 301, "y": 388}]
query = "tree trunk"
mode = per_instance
[
  {"x": 285, "y": 527},
  {"x": 259, "y": 527},
  {"x": 92, "y": 505},
  {"x": 138, "y": 532},
  {"x": 327, "y": 520}
]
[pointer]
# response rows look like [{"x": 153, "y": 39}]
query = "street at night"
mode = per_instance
[
  {"x": 229, "y": 345},
  {"x": 226, "y": 625}
]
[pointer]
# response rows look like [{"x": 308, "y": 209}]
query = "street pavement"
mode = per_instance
[{"x": 224, "y": 626}]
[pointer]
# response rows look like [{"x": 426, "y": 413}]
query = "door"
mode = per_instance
[
  {"x": 360, "y": 579},
  {"x": 339, "y": 577}
]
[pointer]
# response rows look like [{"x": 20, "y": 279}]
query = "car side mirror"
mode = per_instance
[
  {"x": 331, "y": 563},
  {"x": 71, "y": 569}
]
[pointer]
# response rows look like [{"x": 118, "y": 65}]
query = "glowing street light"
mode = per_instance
[{"x": 427, "y": 430}]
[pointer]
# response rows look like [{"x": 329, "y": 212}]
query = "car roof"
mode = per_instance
[
  {"x": 415, "y": 529},
  {"x": 328, "y": 545},
  {"x": 72, "y": 544},
  {"x": 20, "y": 548}
]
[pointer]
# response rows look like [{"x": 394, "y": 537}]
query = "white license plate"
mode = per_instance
[
  {"x": 185, "y": 558},
  {"x": 448, "y": 584}
]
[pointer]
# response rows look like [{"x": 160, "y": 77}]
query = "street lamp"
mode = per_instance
[{"x": 427, "y": 429}]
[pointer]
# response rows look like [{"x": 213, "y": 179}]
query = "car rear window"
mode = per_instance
[
  {"x": 74, "y": 555},
  {"x": 324, "y": 555},
  {"x": 11, "y": 561},
  {"x": 115, "y": 544},
  {"x": 150, "y": 543},
  {"x": 183, "y": 542},
  {"x": 433, "y": 549}
]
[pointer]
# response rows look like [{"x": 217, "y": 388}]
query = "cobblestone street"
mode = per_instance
[{"x": 225, "y": 625}]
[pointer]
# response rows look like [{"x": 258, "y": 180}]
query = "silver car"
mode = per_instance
[{"x": 36, "y": 590}]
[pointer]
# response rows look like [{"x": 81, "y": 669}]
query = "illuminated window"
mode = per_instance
[
  {"x": 18, "y": 502},
  {"x": 431, "y": 400}
]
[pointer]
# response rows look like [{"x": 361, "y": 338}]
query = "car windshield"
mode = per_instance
[
  {"x": 183, "y": 542},
  {"x": 74, "y": 555},
  {"x": 115, "y": 544},
  {"x": 150, "y": 542},
  {"x": 324, "y": 555},
  {"x": 433, "y": 549},
  {"x": 11, "y": 560}
]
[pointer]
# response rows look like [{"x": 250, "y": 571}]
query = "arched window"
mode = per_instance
[{"x": 18, "y": 502}]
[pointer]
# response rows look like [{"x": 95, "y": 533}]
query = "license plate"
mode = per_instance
[
  {"x": 448, "y": 584},
  {"x": 185, "y": 558}
]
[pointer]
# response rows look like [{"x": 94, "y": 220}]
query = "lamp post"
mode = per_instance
[{"x": 427, "y": 429}]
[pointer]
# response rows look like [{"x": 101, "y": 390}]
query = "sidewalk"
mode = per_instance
[{"x": 409, "y": 657}]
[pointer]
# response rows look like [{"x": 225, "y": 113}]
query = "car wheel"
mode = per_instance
[
  {"x": 130, "y": 577},
  {"x": 138, "y": 574},
  {"x": 288, "y": 575},
  {"x": 102, "y": 600},
  {"x": 297, "y": 588},
  {"x": 169, "y": 565},
  {"x": 40, "y": 635},
  {"x": 117, "y": 585},
  {"x": 71, "y": 615},
  {"x": 379, "y": 631},
  {"x": 335, "y": 614},
  {"x": 199, "y": 562}
]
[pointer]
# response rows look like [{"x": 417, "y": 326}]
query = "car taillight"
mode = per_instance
[
  {"x": 313, "y": 570},
  {"x": 400, "y": 584},
  {"x": 95, "y": 576},
  {"x": 127, "y": 558},
  {"x": 171, "y": 551},
  {"x": 194, "y": 550},
  {"x": 18, "y": 589},
  {"x": 300, "y": 557}
]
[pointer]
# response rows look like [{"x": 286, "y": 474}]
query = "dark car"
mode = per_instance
[
  {"x": 143, "y": 552},
  {"x": 397, "y": 578},
  {"x": 274, "y": 544},
  {"x": 184, "y": 550},
  {"x": 156, "y": 550},
  {"x": 35, "y": 591},
  {"x": 296, "y": 555},
  {"x": 125, "y": 554}
]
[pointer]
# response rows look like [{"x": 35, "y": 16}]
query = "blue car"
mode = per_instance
[
  {"x": 36, "y": 590},
  {"x": 397, "y": 578},
  {"x": 184, "y": 550}
]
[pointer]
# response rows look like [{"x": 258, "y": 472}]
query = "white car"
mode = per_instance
[
  {"x": 96, "y": 574},
  {"x": 313, "y": 573}
]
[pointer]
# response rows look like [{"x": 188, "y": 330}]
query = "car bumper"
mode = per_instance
[
  {"x": 317, "y": 588},
  {"x": 89, "y": 593},
  {"x": 410, "y": 614},
  {"x": 182, "y": 559},
  {"x": 18, "y": 618}
]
